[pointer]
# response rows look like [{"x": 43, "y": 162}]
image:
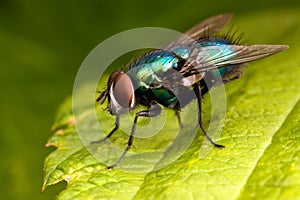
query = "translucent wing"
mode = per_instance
[
  {"x": 213, "y": 57},
  {"x": 211, "y": 25}
]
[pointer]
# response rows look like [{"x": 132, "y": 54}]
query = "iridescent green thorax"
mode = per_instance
[
  {"x": 148, "y": 73},
  {"x": 150, "y": 70}
]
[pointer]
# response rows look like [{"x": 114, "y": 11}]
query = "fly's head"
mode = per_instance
[{"x": 120, "y": 93}]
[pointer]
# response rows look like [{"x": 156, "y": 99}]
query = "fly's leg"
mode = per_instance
[
  {"x": 111, "y": 132},
  {"x": 146, "y": 113},
  {"x": 197, "y": 91},
  {"x": 177, "y": 112}
]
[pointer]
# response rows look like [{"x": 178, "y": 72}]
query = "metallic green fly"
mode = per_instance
[{"x": 162, "y": 77}]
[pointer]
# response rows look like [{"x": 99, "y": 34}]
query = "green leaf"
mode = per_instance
[{"x": 261, "y": 134}]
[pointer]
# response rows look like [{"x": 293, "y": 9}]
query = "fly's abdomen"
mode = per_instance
[{"x": 220, "y": 74}]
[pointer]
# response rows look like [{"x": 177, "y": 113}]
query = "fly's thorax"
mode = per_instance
[{"x": 121, "y": 93}]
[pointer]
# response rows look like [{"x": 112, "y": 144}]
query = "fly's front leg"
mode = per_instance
[
  {"x": 197, "y": 91},
  {"x": 111, "y": 132},
  {"x": 153, "y": 111},
  {"x": 177, "y": 112}
]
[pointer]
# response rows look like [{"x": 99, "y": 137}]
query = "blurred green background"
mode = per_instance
[{"x": 42, "y": 44}]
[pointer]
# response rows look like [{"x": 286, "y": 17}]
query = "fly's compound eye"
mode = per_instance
[{"x": 121, "y": 92}]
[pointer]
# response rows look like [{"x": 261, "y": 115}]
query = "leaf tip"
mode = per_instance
[
  {"x": 43, "y": 189},
  {"x": 67, "y": 179},
  {"x": 60, "y": 132},
  {"x": 48, "y": 144}
]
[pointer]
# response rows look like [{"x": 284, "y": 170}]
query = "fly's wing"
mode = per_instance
[
  {"x": 208, "y": 58},
  {"x": 211, "y": 25}
]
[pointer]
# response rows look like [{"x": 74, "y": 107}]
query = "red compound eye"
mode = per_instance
[{"x": 121, "y": 92}]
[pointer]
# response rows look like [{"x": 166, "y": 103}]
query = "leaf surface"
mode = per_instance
[{"x": 261, "y": 135}]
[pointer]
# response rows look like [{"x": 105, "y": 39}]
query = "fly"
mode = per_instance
[{"x": 161, "y": 77}]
